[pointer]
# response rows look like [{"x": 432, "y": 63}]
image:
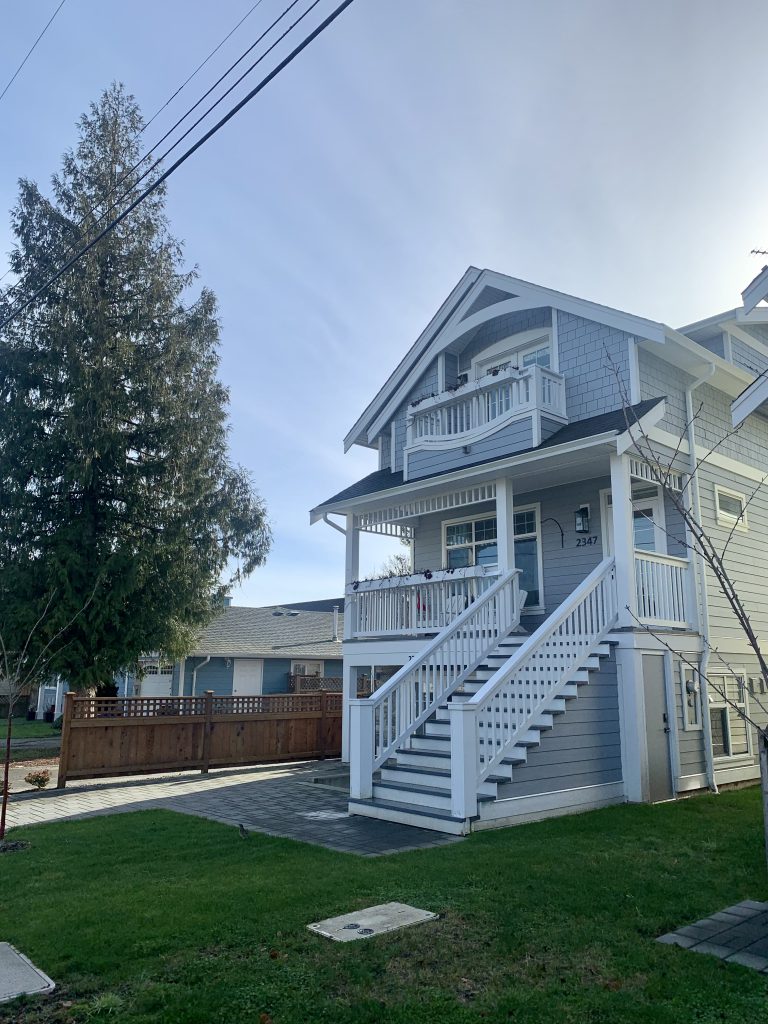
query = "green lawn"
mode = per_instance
[
  {"x": 155, "y": 917},
  {"x": 24, "y": 730}
]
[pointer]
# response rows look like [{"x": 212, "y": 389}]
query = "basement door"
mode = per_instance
[
  {"x": 247, "y": 677},
  {"x": 657, "y": 729}
]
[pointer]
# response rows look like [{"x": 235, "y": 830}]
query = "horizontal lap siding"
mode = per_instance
[
  {"x": 276, "y": 672},
  {"x": 515, "y": 437},
  {"x": 591, "y": 356},
  {"x": 216, "y": 675},
  {"x": 582, "y": 749}
]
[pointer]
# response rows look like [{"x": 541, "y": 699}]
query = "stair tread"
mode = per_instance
[
  {"x": 420, "y": 809},
  {"x": 410, "y": 787}
]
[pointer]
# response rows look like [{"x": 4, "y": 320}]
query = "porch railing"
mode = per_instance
[
  {"x": 662, "y": 589},
  {"x": 417, "y": 604},
  {"x": 492, "y": 400},
  {"x": 485, "y": 727},
  {"x": 381, "y": 723}
]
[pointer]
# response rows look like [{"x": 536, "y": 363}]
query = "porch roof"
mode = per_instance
[{"x": 614, "y": 422}]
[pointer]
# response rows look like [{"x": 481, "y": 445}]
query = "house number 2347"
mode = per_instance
[{"x": 585, "y": 542}]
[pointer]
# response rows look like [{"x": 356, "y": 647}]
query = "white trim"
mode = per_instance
[
  {"x": 741, "y": 773},
  {"x": 669, "y": 440},
  {"x": 716, "y": 701},
  {"x": 441, "y": 373},
  {"x": 688, "y": 726},
  {"x": 516, "y": 809},
  {"x": 674, "y": 746},
  {"x": 749, "y": 400},
  {"x": 634, "y": 371},
  {"x": 513, "y": 346},
  {"x": 756, "y": 291},
  {"x": 689, "y": 783},
  {"x": 727, "y": 346},
  {"x": 725, "y": 518},
  {"x": 555, "y": 342}
]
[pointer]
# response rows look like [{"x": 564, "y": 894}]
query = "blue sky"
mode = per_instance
[{"x": 610, "y": 150}]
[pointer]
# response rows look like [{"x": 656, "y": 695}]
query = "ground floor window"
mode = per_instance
[
  {"x": 475, "y": 542},
  {"x": 730, "y": 732}
]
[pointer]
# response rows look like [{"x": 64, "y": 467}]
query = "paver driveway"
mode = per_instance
[{"x": 280, "y": 800}]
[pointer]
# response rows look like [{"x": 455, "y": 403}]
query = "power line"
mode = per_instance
[
  {"x": 31, "y": 49},
  {"x": 130, "y": 171},
  {"x": 184, "y": 157}
]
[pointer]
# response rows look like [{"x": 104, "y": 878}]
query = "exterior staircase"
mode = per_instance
[
  {"x": 414, "y": 785},
  {"x": 431, "y": 747}
]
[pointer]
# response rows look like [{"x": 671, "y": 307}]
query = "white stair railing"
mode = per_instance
[
  {"x": 485, "y": 728},
  {"x": 380, "y": 723}
]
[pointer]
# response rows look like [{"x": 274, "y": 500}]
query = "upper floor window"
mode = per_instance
[
  {"x": 731, "y": 508},
  {"x": 530, "y": 348}
]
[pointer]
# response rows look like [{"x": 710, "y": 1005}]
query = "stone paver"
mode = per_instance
[
  {"x": 279, "y": 800},
  {"x": 738, "y": 934}
]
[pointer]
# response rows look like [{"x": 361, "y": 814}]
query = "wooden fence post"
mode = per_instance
[
  {"x": 66, "y": 725},
  {"x": 207, "y": 729},
  {"x": 323, "y": 703}
]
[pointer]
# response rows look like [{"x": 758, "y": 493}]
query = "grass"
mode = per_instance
[
  {"x": 151, "y": 917},
  {"x": 33, "y": 754},
  {"x": 24, "y": 730}
]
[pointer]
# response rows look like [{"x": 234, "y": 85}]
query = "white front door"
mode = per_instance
[{"x": 248, "y": 677}]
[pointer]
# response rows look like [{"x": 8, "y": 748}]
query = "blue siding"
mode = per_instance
[
  {"x": 451, "y": 369},
  {"x": 501, "y": 327},
  {"x": 333, "y": 668},
  {"x": 515, "y": 437},
  {"x": 753, "y": 360},
  {"x": 660, "y": 378},
  {"x": 583, "y": 748},
  {"x": 587, "y": 352},
  {"x": 424, "y": 387},
  {"x": 216, "y": 676},
  {"x": 276, "y": 672}
]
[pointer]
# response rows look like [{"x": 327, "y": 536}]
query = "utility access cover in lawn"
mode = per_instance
[
  {"x": 364, "y": 924},
  {"x": 19, "y": 976}
]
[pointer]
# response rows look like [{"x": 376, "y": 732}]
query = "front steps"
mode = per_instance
[{"x": 414, "y": 786}]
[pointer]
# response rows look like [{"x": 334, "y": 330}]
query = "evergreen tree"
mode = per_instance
[{"x": 120, "y": 511}]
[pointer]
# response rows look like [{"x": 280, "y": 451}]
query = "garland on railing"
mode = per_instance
[{"x": 462, "y": 570}]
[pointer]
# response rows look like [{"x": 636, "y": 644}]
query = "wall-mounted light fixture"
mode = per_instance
[{"x": 582, "y": 519}]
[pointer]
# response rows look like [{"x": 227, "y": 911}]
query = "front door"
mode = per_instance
[{"x": 657, "y": 729}]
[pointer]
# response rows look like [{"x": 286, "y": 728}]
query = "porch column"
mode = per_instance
[
  {"x": 505, "y": 524},
  {"x": 351, "y": 572},
  {"x": 623, "y": 539}
]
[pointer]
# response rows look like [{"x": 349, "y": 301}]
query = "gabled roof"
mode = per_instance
[
  {"x": 609, "y": 423},
  {"x": 276, "y": 631},
  {"x": 481, "y": 294}
]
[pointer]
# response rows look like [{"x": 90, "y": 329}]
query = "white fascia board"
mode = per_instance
[
  {"x": 415, "y": 488},
  {"x": 759, "y": 315},
  {"x": 739, "y": 332},
  {"x": 750, "y": 400},
  {"x": 640, "y": 428},
  {"x": 756, "y": 291},
  {"x": 358, "y": 430},
  {"x": 711, "y": 321},
  {"x": 694, "y": 359}
]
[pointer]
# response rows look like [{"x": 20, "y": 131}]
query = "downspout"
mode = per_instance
[
  {"x": 194, "y": 673},
  {"x": 701, "y": 578},
  {"x": 336, "y": 526}
]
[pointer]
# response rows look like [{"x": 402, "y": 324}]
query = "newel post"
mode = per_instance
[
  {"x": 623, "y": 539},
  {"x": 361, "y": 712},
  {"x": 463, "y": 759},
  {"x": 66, "y": 726},
  {"x": 351, "y": 573}
]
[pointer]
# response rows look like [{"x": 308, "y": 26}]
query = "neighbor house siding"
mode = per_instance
[
  {"x": 333, "y": 669},
  {"x": 276, "y": 672},
  {"x": 216, "y": 675},
  {"x": 515, "y": 437},
  {"x": 583, "y": 748},
  {"x": 659, "y": 378},
  {"x": 591, "y": 357}
]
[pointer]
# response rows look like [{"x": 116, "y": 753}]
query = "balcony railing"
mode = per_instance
[
  {"x": 484, "y": 405},
  {"x": 415, "y": 605},
  {"x": 663, "y": 589}
]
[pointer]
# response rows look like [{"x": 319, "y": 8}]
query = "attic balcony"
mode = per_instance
[{"x": 480, "y": 408}]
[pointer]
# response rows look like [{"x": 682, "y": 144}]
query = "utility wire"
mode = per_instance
[
  {"x": 183, "y": 158},
  {"x": 31, "y": 49},
  {"x": 147, "y": 156},
  {"x": 199, "y": 67}
]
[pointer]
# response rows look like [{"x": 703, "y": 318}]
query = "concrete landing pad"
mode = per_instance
[
  {"x": 19, "y": 976},
  {"x": 365, "y": 924}
]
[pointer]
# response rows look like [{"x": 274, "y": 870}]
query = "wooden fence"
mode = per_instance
[{"x": 104, "y": 736}]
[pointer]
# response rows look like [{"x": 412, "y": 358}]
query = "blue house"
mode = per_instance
[
  {"x": 551, "y": 648},
  {"x": 243, "y": 651}
]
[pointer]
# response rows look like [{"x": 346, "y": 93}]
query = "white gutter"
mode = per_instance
[
  {"x": 701, "y": 574},
  {"x": 336, "y": 526},
  {"x": 194, "y": 673}
]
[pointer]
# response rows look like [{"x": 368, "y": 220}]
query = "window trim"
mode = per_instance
[
  {"x": 716, "y": 701},
  {"x": 513, "y": 345},
  {"x": 308, "y": 661},
  {"x": 726, "y": 518},
  {"x": 534, "y": 506}
]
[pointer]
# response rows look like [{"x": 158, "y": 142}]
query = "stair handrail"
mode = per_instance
[
  {"x": 593, "y": 610},
  {"x": 381, "y": 722}
]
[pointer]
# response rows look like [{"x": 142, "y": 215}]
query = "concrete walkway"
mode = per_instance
[{"x": 279, "y": 800}]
